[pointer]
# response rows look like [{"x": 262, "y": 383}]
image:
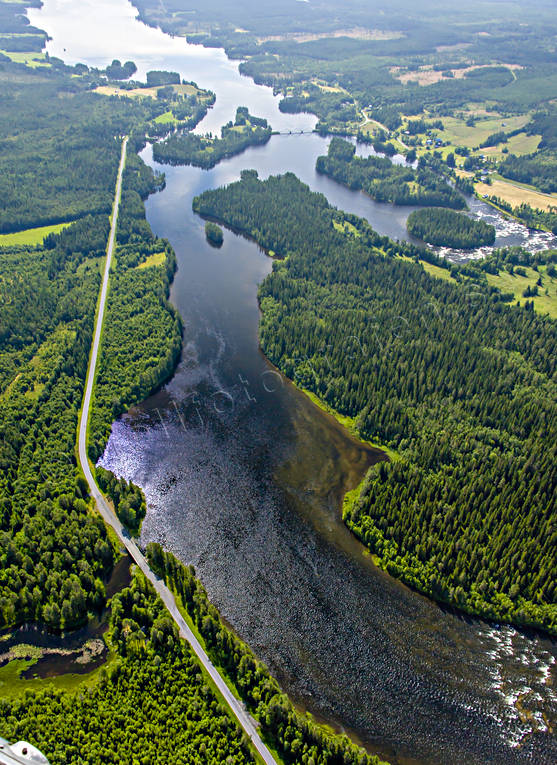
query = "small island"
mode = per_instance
[
  {"x": 214, "y": 234},
  {"x": 447, "y": 228}
]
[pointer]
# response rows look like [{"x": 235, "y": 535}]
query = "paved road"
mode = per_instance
[{"x": 110, "y": 518}]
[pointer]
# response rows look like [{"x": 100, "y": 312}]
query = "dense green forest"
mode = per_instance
[
  {"x": 54, "y": 554},
  {"x": 152, "y": 703},
  {"x": 461, "y": 385},
  {"x": 448, "y": 228},
  {"x": 214, "y": 234},
  {"x": 142, "y": 331},
  {"x": 295, "y": 736},
  {"x": 186, "y": 148},
  {"x": 58, "y": 153},
  {"x": 385, "y": 181}
]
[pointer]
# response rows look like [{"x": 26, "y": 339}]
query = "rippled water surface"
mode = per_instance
[{"x": 244, "y": 476}]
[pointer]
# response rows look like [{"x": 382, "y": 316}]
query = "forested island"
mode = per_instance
[
  {"x": 465, "y": 512},
  {"x": 448, "y": 228},
  {"x": 386, "y": 182},
  {"x": 214, "y": 234},
  {"x": 185, "y": 148}
]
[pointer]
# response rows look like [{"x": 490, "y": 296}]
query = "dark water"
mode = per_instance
[
  {"x": 79, "y": 651},
  {"x": 244, "y": 476}
]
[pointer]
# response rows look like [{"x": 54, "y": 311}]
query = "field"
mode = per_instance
[
  {"x": 157, "y": 259},
  {"x": 426, "y": 75},
  {"x": 516, "y": 284},
  {"x": 114, "y": 90},
  {"x": 515, "y": 194},
  {"x": 166, "y": 119},
  {"x": 31, "y": 236},
  {"x": 518, "y": 144},
  {"x": 458, "y": 133},
  {"x": 433, "y": 270},
  {"x": 31, "y": 59}
]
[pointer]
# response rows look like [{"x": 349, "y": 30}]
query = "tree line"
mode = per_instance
[
  {"x": 460, "y": 384},
  {"x": 385, "y": 181},
  {"x": 448, "y": 228},
  {"x": 184, "y": 148},
  {"x": 294, "y": 735}
]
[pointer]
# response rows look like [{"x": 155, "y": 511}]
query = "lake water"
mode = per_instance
[{"x": 244, "y": 476}]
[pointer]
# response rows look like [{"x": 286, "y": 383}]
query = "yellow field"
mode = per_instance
[
  {"x": 357, "y": 33},
  {"x": 32, "y": 60},
  {"x": 157, "y": 259},
  {"x": 516, "y": 284},
  {"x": 427, "y": 75},
  {"x": 114, "y": 90},
  {"x": 515, "y": 194},
  {"x": 31, "y": 236}
]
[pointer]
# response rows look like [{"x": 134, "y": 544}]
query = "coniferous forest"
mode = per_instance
[
  {"x": 448, "y": 228},
  {"x": 204, "y": 151},
  {"x": 151, "y": 702},
  {"x": 460, "y": 385},
  {"x": 385, "y": 181},
  {"x": 442, "y": 365}
]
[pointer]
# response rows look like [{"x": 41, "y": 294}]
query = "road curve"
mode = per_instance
[{"x": 110, "y": 518}]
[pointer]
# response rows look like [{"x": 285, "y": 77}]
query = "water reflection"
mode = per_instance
[{"x": 245, "y": 480}]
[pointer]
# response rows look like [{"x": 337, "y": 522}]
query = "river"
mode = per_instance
[{"x": 244, "y": 476}]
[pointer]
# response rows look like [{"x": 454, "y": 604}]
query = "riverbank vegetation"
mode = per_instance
[
  {"x": 127, "y": 498},
  {"x": 154, "y": 704},
  {"x": 385, "y": 181},
  {"x": 214, "y": 234},
  {"x": 184, "y": 148},
  {"x": 465, "y": 515},
  {"x": 470, "y": 88},
  {"x": 293, "y": 735},
  {"x": 142, "y": 331},
  {"x": 448, "y": 228}
]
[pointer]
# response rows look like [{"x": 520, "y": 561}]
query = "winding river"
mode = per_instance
[{"x": 244, "y": 476}]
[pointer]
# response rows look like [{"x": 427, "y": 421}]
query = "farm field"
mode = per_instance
[
  {"x": 517, "y": 284},
  {"x": 114, "y": 90},
  {"x": 515, "y": 194},
  {"x": 32, "y": 60},
  {"x": 458, "y": 133},
  {"x": 517, "y": 144},
  {"x": 31, "y": 236}
]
